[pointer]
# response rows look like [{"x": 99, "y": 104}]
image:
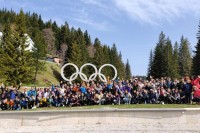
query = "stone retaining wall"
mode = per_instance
[{"x": 109, "y": 120}]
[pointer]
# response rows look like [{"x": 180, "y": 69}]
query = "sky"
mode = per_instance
[{"x": 133, "y": 25}]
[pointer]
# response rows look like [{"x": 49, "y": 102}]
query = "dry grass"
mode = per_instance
[{"x": 50, "y": 75}]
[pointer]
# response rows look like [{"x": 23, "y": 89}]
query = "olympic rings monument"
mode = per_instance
[
  {"x": 103, "y": 119},
  {"x": 83, "y": 76}
]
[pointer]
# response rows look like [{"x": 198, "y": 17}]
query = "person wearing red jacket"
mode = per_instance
[
  {"x": 196, "y": 94},
  {"x": 195, "y": 82}
]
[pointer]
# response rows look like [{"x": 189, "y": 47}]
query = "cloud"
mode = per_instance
[
  {"x": 90, "y": 13},
  {"x": 102, "y": 7},
  {"x": 155, "y": 11},
  {"x": 102, "y": 26},
  {"x": 102, "y": 14}
]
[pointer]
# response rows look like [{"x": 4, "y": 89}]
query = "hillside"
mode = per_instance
[
  {"x": 50, "y": 75},
  {"x": 62, "y": 41}
]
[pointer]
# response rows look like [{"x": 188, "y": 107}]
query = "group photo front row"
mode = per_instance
[{"x": 133, "y": 91}]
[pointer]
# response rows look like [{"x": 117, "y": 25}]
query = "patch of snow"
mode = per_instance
[{"x": 29, "y": 42}]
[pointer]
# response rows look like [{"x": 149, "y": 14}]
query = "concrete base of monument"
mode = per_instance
[{"x": 102, "y": 120}]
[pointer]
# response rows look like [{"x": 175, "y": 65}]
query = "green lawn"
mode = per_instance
[{"x": 130, "y": 106}]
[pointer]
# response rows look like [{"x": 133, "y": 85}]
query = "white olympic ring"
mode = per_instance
[{"x": 83, "y": 76}]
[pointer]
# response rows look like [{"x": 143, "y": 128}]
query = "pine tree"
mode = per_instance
[
  {"x": 104, "y": 59},
  {"x": 39, "y": 51},
  {"x": 128, "y": 70},
  {"x": 185, "y": 59},
  {"x": 150, "y": 64},
  {"x": 73, "y": 55},
  {"x": 82, "y": 45},
  {"x": 34, "y": 20},
  {"x": 16, "y": 61},
  {"x": 196, "y": 58},
  {"x": 24, "y": 61},
  {"x": 67, "y": 34},
  {"x": 98, "y": 56},
  {"x": 158, "y": 66},
  {"x": 7, "y": 54},
  {"x": 41, "y": 23},
  {"x": 96, "y": 42},
  {"x": 168, "y": 57},
  {"x": 87, "y": 38},
  {"x": 175, "y": 62},
  {"x": 121, "y": 68},
  {"x": 114, "y": 59}
]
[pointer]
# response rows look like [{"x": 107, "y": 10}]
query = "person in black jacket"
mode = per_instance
[
  {"x": 17, "y": 104},
  {"x": 187, "y": 90},
  {"x": 3, "y": 105},
  {"x": 145, "y": 97},
  {"x": 152, "y": 97}
]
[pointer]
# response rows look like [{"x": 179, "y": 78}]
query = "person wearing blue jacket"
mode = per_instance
[
  {"x": 12, "y": 95},
  {"x": 32, "y": 92},
  {"x": 83, "y": 88}
]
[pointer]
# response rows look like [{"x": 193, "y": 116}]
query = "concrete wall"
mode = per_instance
[{"x": 110, "y": 120}]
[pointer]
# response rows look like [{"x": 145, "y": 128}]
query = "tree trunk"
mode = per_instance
[{"x": 36, "y": 70}]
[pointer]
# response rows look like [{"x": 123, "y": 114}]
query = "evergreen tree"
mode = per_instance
[
  {"x": 84, "y": 54},
  {"x": 104, "y": 59},
  {"x": 87, "y": 38},
  {"x": 98, "y": 56},
  {"x": 175, "y": 62},
  {"x": 185, "y": 59},
  {"x": 73, "y": 55},
  {"x": 82, "y": 45},
  {"x": 34, "y": 20},
  {"x": 16, "y": 61},
  {"x": 39, "y": 51},
  {"x": 48, "y": 24},
  {"x": 41, "y": 23},
  {"x": 67, "y": 34},
  {"x": 57, "y": 39},
  {"x": 24, "y": 70},
  {"x": 96, "y": 42},
  {"x": 128, "y": 70},
  {"x": 7, "y": 53},
  {"x": 115, "y": 59},
  {"x": 196, "y": 58},
  {"x": 63, "y": 34},
  {"x": 150, "y": 64},
  {"x": 168, "y": 59},
  {"x": 121, "y": 68},
  {"x": 54, "y": 26},
  {"x": 158, "y": 66}
]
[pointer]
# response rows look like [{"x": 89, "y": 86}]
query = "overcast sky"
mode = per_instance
[{"x": 133, "y": 25}]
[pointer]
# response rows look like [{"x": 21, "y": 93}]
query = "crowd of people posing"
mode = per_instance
[{"x": 133, "y": 91}]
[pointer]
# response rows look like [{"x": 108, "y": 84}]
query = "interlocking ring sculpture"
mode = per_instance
[{"x": 83, "y": 76}]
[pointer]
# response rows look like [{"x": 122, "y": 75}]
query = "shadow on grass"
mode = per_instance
[{"x": 56, "y": 74}]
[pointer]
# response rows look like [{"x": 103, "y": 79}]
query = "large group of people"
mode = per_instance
[{"x": 133, "y": 91}]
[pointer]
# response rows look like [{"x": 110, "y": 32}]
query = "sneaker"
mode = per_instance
[{"x": 34, "y": 107}]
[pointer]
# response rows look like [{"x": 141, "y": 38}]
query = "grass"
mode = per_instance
[
  {"x": 122, "y": 106},
  {"x": 50, "y": 75}
]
